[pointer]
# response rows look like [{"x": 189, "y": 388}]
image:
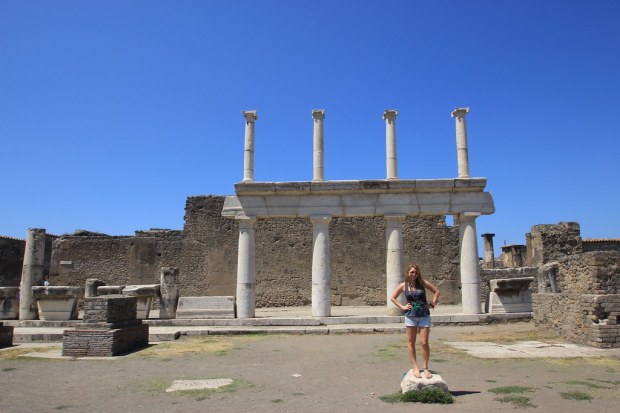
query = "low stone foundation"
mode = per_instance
[
  {"x": 589, "y": 319},
  {"x": 104, "y": 343},
  {"x": 6, "y": 336}
]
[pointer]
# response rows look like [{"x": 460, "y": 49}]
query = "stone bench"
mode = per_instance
[
  {"x": 509, "y": 295},
  {"x": 57, "y": 303},
  {"x": 144, "y": 293},
  {"x": 206, "y": 307},
  {"x": 9, "y": 303}
]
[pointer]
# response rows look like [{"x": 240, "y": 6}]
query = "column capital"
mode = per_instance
[
  {"x": 390, "y": 114},
  {"x": 459, "y": 112},
  {"x": 250, "y": 115},
  {"x": 320, "y": 219},
  {"x": 394, "y": 217},
  {"x": 245, "y": 221},
  {"x": 318, "y": 114}
]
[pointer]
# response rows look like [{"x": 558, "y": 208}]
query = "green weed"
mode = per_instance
[
  {"x": 575, "y": 395},
  {"x": 428, "y": 395}
]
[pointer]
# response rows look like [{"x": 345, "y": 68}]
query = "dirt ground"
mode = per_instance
[{"x": 305, "y": 373}]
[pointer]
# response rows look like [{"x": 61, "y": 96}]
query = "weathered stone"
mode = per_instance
[
  {"x": 32, "y": 272},
  {"x": 58, "y": 303},
  {"x": 92, "y": 284},
  {"x": 509, "y": 295},
  {"x": 412, "y": 383},
  {"x": 9, "y": 303},
  {"x": 169, "y": 282},
  {"x": 206, "y": 307},
  {"x": 6, "y": 336}
]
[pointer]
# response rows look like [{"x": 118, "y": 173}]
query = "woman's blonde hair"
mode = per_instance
[{"x": 419, "y": 280}]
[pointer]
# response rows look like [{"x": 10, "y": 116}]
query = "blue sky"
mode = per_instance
[{"x": 113, "y": 112}]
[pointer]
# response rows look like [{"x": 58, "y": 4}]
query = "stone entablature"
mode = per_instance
[{"x": 359, "y": 198}]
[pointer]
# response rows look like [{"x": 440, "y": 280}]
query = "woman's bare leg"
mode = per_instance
[
  {"x": 411, "y": 337},
  {"x": 426, "y": 350}
]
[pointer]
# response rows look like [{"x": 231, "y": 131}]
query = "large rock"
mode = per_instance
[{"x": 412, "y": 383}]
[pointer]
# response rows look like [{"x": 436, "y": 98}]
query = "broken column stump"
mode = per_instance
[{"x": 110, "y": 328}]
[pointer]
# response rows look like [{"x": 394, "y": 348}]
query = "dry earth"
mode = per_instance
[{"x": 305, "y": 373}]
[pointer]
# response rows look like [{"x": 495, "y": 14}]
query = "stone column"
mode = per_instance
[
  {"x": 246, "y": 269},
  {"x": 394, "y": 259},
  {"x": 470, "y": 270},
  {"x": 32, "y": 273},
  {"x": 248, "y": 153},
  {"x": 390, "y": 143},
  {"x": 321, "y": 291},
  {"x": 461, "y": 141},
  {"x": 318, "y": 158},
  {"x": 489, "y": 256},
  {"x": 169, "y": 291}
]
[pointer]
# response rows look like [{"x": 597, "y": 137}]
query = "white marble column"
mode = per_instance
[
  {"x": 318, "y": 157},
  {"x": 248, "y": 153},
  {"x": 32, "y": 273},
  {"x": 246, "y": 269},
  {"x": 470, "y": 269},
  {"x": 321, "y": 291},
  {"x": 390, "y": 143},
  {"x": 394, "y": 270},
  {"x": 461, "y": 141}
]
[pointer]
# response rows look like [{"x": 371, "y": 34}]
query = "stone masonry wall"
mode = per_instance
[
  {"x": 601, "y": 245},
  {"x": 206, "y": 254},
  {"x": 11, "y": 261},
  {"x": 595, "y": 272},
  {"x": 553, "y": 242}
]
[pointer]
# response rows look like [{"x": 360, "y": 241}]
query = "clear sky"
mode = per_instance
[{"x": 113, "y": 112}]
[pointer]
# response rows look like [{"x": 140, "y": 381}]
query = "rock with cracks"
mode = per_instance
[{"x": 412, "y": 383}]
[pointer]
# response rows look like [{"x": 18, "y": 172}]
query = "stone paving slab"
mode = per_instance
[
  {"x": 530, "y": 349},
  {"x": 180, "y": 385}
]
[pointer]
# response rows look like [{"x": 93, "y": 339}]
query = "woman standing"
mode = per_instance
[{"x": 417, "y": 315}]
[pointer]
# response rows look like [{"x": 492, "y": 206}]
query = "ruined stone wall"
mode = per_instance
[
  {"x": 595, "y": 272},
  {"x": 588, "y": 319},
  {"x": 11, "y": 261},
  {"x": 553, "y": 242},
  {"x": 206, "y": 254},
  {"x": 601, "y": 245}
]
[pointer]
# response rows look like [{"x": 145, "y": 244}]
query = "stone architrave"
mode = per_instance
[
  {"x": 318, "y": 154},
  {"x": 169, "y": 287},
  {"x": 321, "y": 291},
  {"x": 246, "y": 269},
  {"x": 394, "y": 259},
  {"x": 251, "y": 117},
  {"x": 390, "y": 143},
  {"x": 32, "y": 272},
  {"x": 461, "y": 142},
  {"x": 470, "y": 267}
]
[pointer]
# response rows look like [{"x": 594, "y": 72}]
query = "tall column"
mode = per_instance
[
  {"x": 248, "y": 153},
  {"x": 394, "y": 259},
  {"x": 461, "y": 141},
  {"x": 246, "y": 269},
  {"x": 32, "y": 273},
  {"x": 470, "y": 270},
  {"x": 390, "y": 143},
  {"x": 489, "y": 256},
  {"x": 321, "y": 292},
  {"x": 318, "y": 157}
]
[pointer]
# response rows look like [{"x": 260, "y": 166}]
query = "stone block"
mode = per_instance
[
  {"x": 145, "y": 295},
  {"x": 509, "y": 295},
  {"x": 110, "y": 289},
  {"x": 106, "y": 342},
  {"x": 412, "y": 383},
  {"x": 57, "y": 303},
  {"x": 110, "y": 309},
  {"x": 6, "y": 336},
  {"x": 9, "y": 303},
  {"x": 206, "y": 307}
]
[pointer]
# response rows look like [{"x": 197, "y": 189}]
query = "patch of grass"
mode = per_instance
[
  {"x": 9, "y": 369},
  {"x": 198, "y": 346},
  {"x": 298, "y": 394},
  {"x": 575, "y": 395},
  {"x": 516, "y": 399},
  {"x": 156, "y": 386},
  {"x": 440, "y": 360},
  {"x": 390, "y": 352},
  {"x": 614, "y": 382},
  {"x": 15, "y": 353},
  {"x": 491, "y": 381},
  {"x": 63, "y": 407},
  {"x": 277, "y": 401},
  {"x": 511, "y": 390},
  {"x": 428, "y": 395},
  {"x": 588, "y": 384}
]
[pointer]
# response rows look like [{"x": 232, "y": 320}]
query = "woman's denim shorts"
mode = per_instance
[{"x": 418, "y": 321}]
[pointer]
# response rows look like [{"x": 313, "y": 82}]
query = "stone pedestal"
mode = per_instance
[
  {"x": 509, "y": 295},
  {"x": 9, "y": 303},
  {"x": 169, "y": 290},
  {"x": 206, "y": 307},
  {"x": 145, "y": 294},
  {"x": 58, "y": 303},
  {"x": 6, "y": 336},
  {"x": 412, "y": 383},
  {"x": 110, "y": 328}
]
